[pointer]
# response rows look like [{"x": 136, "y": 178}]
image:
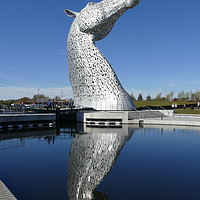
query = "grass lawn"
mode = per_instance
[
  {"x": 187, "y": 111},
  {"x": 161, "y": 103},
  {"x": 152, "y": 103},
  {"x": 140, "y": 104}
]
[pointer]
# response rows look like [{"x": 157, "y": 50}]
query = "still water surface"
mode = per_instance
[{"x": 102, "y": 163}]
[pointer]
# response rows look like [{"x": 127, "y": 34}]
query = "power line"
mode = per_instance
[
  {"x": 21, "y": 84},
  {"x": 27, "y": 76}
]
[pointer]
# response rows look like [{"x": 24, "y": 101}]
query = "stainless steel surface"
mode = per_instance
[
  {"x": 93, "y": 80},
  {"x": 92, "y": 156}
]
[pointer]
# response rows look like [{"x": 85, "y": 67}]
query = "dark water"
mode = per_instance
[{"x": 102, "y": 163}]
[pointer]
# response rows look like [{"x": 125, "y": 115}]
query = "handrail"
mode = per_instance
[
  {"x": 164, "y": 109},
  {"x": 162, "y": 115},
  {"x": 135, "y": 109},
  {"x": 11, "y": 111},
  {"x": 147, "y": 107},
  {"x": 15, "y": 111}
]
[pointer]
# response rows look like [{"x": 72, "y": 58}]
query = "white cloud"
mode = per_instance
[
  {"x": 60, "y": 53},
  {"x": 18, "y": 92},
  {"x": 173, "y": 84}
]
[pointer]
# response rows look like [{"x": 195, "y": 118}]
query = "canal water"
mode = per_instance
[{"x": 81, "y": 163}]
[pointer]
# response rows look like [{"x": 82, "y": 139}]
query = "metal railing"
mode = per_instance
[
  {"x": 147, "y": 107},
  {"x": 15, "y": 111},
  {"x": 152, "y": 111},
  {"x": 159, "y": 106},
  {"x": 10, "y": 111}
]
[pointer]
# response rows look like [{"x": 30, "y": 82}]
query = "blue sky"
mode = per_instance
[{"x": 154, "y": 47}]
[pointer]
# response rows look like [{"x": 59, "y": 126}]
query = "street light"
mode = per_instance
[
  {"x": 38, "y": 97},
  {"x": 61, "y": 95}
]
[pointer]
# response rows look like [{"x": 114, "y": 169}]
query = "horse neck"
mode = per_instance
[
  {"x": 83, "y": 52},
  {"x": 78, "y": 41},
  {"x": 88, "y": 68}
]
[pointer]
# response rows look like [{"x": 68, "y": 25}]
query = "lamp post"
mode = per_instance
[
  {"x": 61, "y": 95},
  {"x": 38, "y": 97}
]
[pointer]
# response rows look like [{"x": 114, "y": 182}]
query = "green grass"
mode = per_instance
[
  {"x": 152, "y": 103},
  {"x": 187, "y": 111},
  {"x": 161, "y": 103},
  {"x": 140, "y": 104}
]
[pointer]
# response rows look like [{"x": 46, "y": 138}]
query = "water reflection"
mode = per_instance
[
  {"x": 92, "y": 156},
  {"x": 168, "y": 155},
  {"x": 17, "y": 139}
]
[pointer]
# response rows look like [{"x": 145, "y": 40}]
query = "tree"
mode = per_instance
[
  {"x": 132, "y": 97},
  {"x": 163, "y": 99},
  {"x": 24, "y": 99},
  {"x": 140, "y": 97},
  {"x": 169, "y": 96},
  {"x": 158, "y": 97},
  {"x": 192, "y": 96},
  {"x": 37, "y": 96},
  {"x": 181, "y": 96},
  {"x": 187, "y": 96},
  {"x": 197, "y": 95},
  {"x": 148, "y": 98}
]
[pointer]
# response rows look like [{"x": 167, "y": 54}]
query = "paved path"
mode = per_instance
[
  {"x": 5, "y": 193},
  {"x": 177, "y": 120}
]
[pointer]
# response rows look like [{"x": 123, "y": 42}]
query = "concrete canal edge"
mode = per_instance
[
  {"x": 5, "y": 193},
  {"x": 99, "y": 118},
  {"x": 140, "y": 118},
  {"x": 26, "y": 120}
]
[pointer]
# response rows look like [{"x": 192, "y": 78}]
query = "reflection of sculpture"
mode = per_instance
[
  {"x": 91, "y": 157},
  {"x": 93, "y": 80}
]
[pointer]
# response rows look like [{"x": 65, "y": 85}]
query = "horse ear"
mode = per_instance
[{"x": 70, "y": 13}]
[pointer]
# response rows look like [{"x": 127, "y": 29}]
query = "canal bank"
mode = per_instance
[
  {"x": 140, "y": 118},
  {"x": 26, "y": 120},
  {"x": 176, "y": 120},
  {"x": 5, "y": 193},
  {"x": 98, "y": 118}
]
